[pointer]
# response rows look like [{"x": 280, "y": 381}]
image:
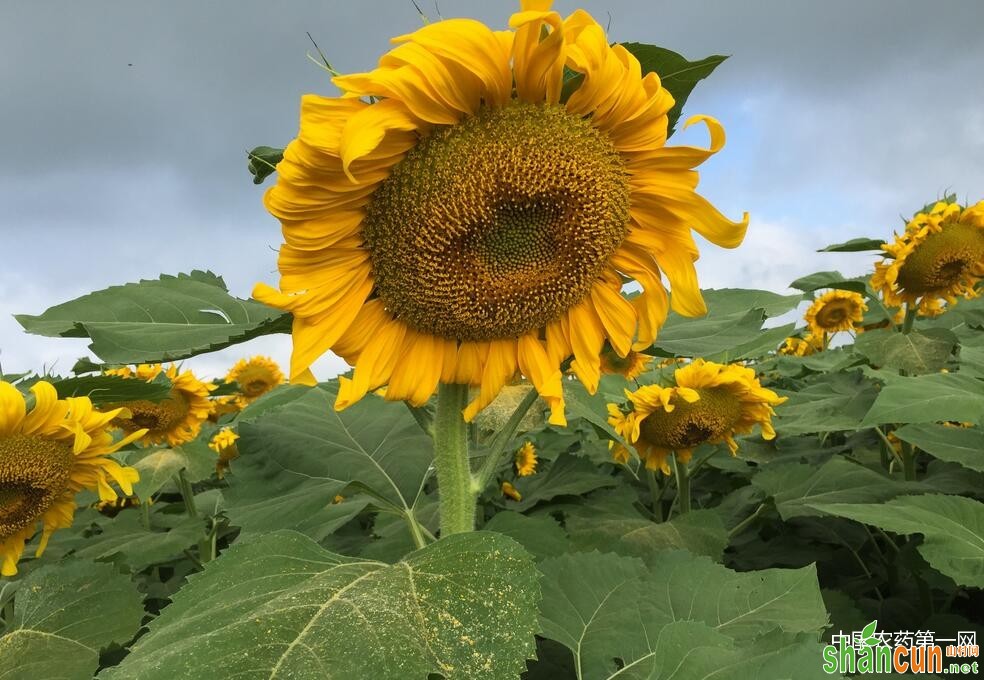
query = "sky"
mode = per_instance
[{"x": 126, "y": 126}]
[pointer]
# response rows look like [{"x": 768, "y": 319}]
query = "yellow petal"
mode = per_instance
[
  {"x": 500, "y": 367},
  {"x": 545, "y": 376}
]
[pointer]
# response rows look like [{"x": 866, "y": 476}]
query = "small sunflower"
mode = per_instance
[
  {"x": 224, "y": 444},
  {"x": 525, "y": 460},
  {"x": 710, "y": 403},
  {"x": 175, "y": 420},
  {"x": 510, "y": 491},
  {"x": 47, "y": 455},
  {"x": 801, "y": 347},
  {"x": 631, "y": 366},
  {"x": 835, "y": 310},
  {"x": 467, "y": 222},
  {"x": 225, "y": 405},
  {"x": 255, "y": 376},
  {"x": 939, "y": 258}
]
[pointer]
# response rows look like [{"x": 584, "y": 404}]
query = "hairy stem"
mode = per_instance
[{"x": 454, "y": 480}]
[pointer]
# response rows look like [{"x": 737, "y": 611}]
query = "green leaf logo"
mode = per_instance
[{"x": 868, "y": 634}]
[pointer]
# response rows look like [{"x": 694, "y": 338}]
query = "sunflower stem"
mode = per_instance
[
  {"x": 454, "y": 479},
  {"x": 908, "y": 462},
  {"x": 187, "y": 494},
  {"x": 680, "y": 472},
  {"x": 656, "y": 494},
  {"x": 498, "y": 449},
  {"x": 910, "y": 317}
]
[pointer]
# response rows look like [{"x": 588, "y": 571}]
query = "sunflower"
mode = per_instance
[
  {"x": 631, "y": 366},
  {"x": 510, "y": 491},
  {"x": 224, "y": 444},
  {"x": 525, "y": 460},
  {"x": 835, "y": 310},
  {"x": 453, "y": 218},
  {"x": 939, "y": 257},
  {"x": 255, "y": 376},
  {"x": 225, "y": 405},
  {"x": 175, "y": 420},
  {"x": 710, "y": 403},
  {"x": 48, "y": 453},
  {"x": 801, "y": 347}
]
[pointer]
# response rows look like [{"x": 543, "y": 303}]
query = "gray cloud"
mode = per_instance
[{"x": 126, "y": 125}]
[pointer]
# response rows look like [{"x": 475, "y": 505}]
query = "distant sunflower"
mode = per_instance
[
  {"x": 939, "y": 257},
  {"x": 175, "y": 420},
  {"x": 710, "y": 403},
  {"x": 469, "y": 222},
  {"x": 631, "y": 366},
  {"x": 801, "y": 347},
  {"x": 510, "y": 492},
  {"x": 835, "y": 310},
  {"x": 47, "y": 455},
  {"x": 225, "y": 405},
  {"x": 525, "y": 460},
  {"x": 224, "y": 444},
  {"x": 255, "y": 376}
]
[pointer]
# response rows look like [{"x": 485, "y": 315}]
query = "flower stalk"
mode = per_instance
[
  {"x": 454, "y": 480},
  {"x": 682, "y": 476}
]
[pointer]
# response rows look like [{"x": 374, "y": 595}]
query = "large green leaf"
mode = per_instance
[
  {"x": 952, "y": 527},
  {"x": 281, "y": 606},
  {"x": 832, "y": 279},
  {"x": 125, "y": 541},
  {"x": 293, "y": 461},
  {"x": 163, "y": 319},
  {"x": 915, "y": 353},
  {"x": 835, "y": 401},
  {"x": 112, "y": 389},
  {"x": 797, "y": 488},
  {"x": 605, "y": 607},
  {"x": 931, "y": 398},
  {"x": 676, "y": 73},
  {"x": 701, "y": 532},
  {"x": 63, "y": 615},
  {"x": 568, "y": 475},
  {"x": 709, "y": 335},
  {"x": 157, "y": 467},
  {"x": 855, "y": 245},
  {"x": 541, "y": 535},
  {"x": 724, "y": 301},
  {"x": 955, "y": 444}
]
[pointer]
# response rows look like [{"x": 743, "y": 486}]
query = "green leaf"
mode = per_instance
[
  {"x": 855, "y": 245},
  {"x": 952, "y": 527},
  {"x": 835, "y": 401},
  {"x": 568, "y": 475},
  {"x": 918, "y": 352},
  {"x": 797, "y": 488},
  {"x": 701, "y": 532},
  {"x": 930, "y": 398},
  {"x": 710, "y": 334},
  {"x": 724, "y": 301},
  {"x": 955, "y": 444},
  {"x": 281, "y": 606},
  {"x": 592, "y": 408},
  {"x": 541, "y": 535},
  {"x": 293, "y": 461},
  {"x": 125, "y": 541},
  {"x": 63, "y": 615},
  {"x": 833, "y": 279},
  {"x": 263, "y": 162},
  {"x": 678, "y": 75},
  {"x": 604, "y": 607},
  {"x": 112, "y": 389},
  {"x": 165, "y": 319}
]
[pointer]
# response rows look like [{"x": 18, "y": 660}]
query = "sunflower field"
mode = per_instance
[{"x": 555, "y": 454}]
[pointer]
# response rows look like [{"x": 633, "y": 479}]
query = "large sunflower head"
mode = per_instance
[
  {"x": 48, "y": 453},
  {"x": 939, "y": 257},
  {"x": 255, "y": 376},
  {"x": 175, "y": 420},
  {"x": 709, "y": 403},
  {"x": 835, "y": 310},
  {"x": 452, "y": 218}
]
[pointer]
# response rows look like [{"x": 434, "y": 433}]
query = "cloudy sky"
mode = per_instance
[{"x": 125, "y": 126}]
